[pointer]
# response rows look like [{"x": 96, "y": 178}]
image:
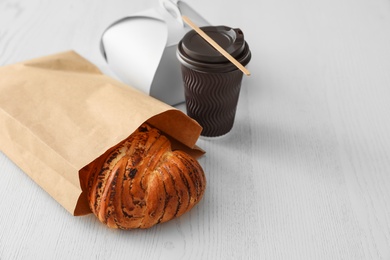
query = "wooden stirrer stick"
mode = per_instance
[{"x": 215, "y": 45}]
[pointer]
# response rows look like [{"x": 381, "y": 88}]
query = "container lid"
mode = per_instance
[{"x": 195, "y": 52}]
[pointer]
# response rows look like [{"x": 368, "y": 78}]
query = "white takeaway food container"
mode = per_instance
[{"x": 141, "y": 49}]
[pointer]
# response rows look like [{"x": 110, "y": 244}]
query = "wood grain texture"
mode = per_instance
[{"x": 305, "y": 172}]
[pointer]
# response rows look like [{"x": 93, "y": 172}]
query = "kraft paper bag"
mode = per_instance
[{"x": 59, "y": 113}]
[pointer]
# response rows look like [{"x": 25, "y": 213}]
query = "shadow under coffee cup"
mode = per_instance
[{"x": 211, "y": 82}]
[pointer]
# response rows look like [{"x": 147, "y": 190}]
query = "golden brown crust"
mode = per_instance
[{"x": 143, "y": 182}]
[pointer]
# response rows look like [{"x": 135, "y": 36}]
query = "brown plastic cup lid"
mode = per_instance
[{"x": 193, "y": 51}]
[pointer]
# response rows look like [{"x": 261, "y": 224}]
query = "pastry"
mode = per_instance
[{"x": 143, "y": 182}]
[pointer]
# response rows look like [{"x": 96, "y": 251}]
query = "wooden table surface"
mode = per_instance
[{"x": 305, "y": 172}]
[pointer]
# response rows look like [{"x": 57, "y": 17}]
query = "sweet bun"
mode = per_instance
[{"x": 143, "y": 182}]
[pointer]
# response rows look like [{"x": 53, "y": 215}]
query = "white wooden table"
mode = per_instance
[{"x": 305, "y": 172}]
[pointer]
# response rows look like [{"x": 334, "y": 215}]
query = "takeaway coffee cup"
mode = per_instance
[{"x": 211, "y": 82}]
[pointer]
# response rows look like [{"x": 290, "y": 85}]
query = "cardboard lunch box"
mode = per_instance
[{"x": 140, "y": 49}]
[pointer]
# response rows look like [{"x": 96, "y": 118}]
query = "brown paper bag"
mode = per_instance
[{"x": 59, "y": 113}]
